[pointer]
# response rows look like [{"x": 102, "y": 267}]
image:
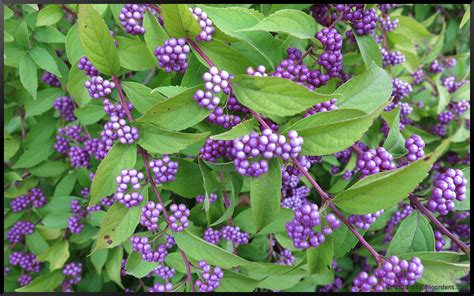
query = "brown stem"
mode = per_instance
[
  {"x": 68, "y": 10},
  {"x": 188, "y": 270},
  {"x": 259, "y": 118},
  {"x": 122, "y": 97},
  {"x": 308, "y": 51},
  {"x": 199, "y": 50},
  {"x": 310, "y": 178},
  {"x": 357, "y": 149},
  {"x": 418, "y": 205}
]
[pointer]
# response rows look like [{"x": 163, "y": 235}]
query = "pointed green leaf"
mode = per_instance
[
  {"x": 113, "y": 265},
  {"x": 243, "y": 128},
  {"x": 45, "y": 283},
  {"x": 56, "y": 255},
  {"x": 29, "y": 75},
  {"x": 141, "y": 96},
  {"x": 179, "y": 21}
]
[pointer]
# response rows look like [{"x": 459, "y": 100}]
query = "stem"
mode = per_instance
[
  {"x": 310, "y": 178},
  {"x": 259, "y": 118},
  {"x": 357, "y": 149},
  {"x": 188, "y": 270},
  {"x": 310, "y": 50},
  {"x": 156, "y": 8},
  {"x": 199, "y": 50},
  {"x": 438, "y": 224},
  {"x": 122, "y": 98},
  {"x": 68, "y": 10},
  {"x": 364, "y": 243},
  {"x": 339, "y": 17}
]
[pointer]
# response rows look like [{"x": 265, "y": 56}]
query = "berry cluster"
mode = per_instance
[
  {"x": 374, "y": 161},
  {"x": 86, "y": 65},
  {"x": 150, "y": 215},
  {"x": 331, "y": 58},
  {"x": 364, "y": 221},
  {"x": 26, "y": 261},
  {"x": 387, "y": 24},
  {"x": 293, "y": 70},
  {"x": 392, "y": 58},
  {"x": 286, "y": 258},
  {"x": 131, "y": 18},
  {"x": 215, "y": 81},
  {"x": 51, "y": 79},
  {"x": 414, "y": 144},
  {"x": 268, "y": 145},
  {"x": 72, "y": 271},
  {"x": 400, "y": 89},
  {"x": 402, "y": 273},
  {"x": 141, "y": 245},
  {"x": 65, "y": 106},
  {"x": 173, "y": 55},
  {"x": 205, "y": 23},
  {"x": 98, "y": 87},
  {"x": 440, "y": 242},
  {"x": 418, "y": 76},
  {"x": 164, "y": 169},
  {"x": 322, "y": 107},
  {"x": 210, "y": 277},
  {"x": 225, "y": 120},
  {"x": 19, "y": 230},
  {"x": 229, "y": 233},
  {"x": 448, "y": 186},
  {"x": 214, "y": 149},
  {"x": 35, "y": 197},
  {"x": 436, "y": 67},
  {"x": 133, "y": 177},
  {"x": 179, "y": 217}
]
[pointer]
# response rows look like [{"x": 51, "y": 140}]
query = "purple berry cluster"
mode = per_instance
[
  {"x": 215, "y": 81},
  {"x": 214, "y": 149},
  {"x": 72, "y": 271},
  {"x": 150, "y": 215},
  {"x": 35, "y": 197},
  {"x": 234, "y": 105},
  {"x": 210, "y": 277},
  {"x": 65, "y": 106},
  {"x": 173, "y": 55},
  {"x": 335, "y": 286},
  {"x": 268, "y": 145},
  {"x": 26, "y": 261},
  {"x": 19, "y": 230},
  {"x": 98, "y": 87},
  {"x": 229, "y": 233},
  {"x": 285, "y": 258},
  {"x": 331, "y": 58},
  {"x": 364, "y": 221},
  {"x": 51, "y": 79},
  {"x": 131, "y": 18},
  {"x": 159, "y": 288},
  {"x": 445, "y": 117},
  {"x": 86, "y": 65},
  {"x": 291, "y": 69},
  {"x": 133, "y": 178},
  {"x": 440, "y": 241},
  {"x": 178, "y": 218},
  {"x": 225, "y": 120},
  {"x": 460, "y": 107},
  {"x": 414, "y": 144},
  {"x": 392, "y": 58},
  {"x": 436, "y": 67},
  {"x": 205, "y": 23},
  {"x": 364, "y": 282},
  {"x": 374, "y": 161},
  {"x": 417, "y": 76},
  {"x": 212, "y": 198},
  {"x": 451, "y": 85},
  {"x": 142, "y": 245},
  {"x": 164, "y": 169},
  {"x": 401, "y": 273},
  {"x": 400, "y": 89},
  {"x": 322, "y": 107},
  {"x": 448, "y": 186},
  {"x": 387, "y": 24}
]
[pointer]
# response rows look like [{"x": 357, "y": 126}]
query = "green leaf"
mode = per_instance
[
  {"x": 36, "y": 243},
  {"x": 369, "y": 50},
  {"x": 119, "y": 224},
  {"x": 365, "y": 92},
  {"x": 235, "y": 187},
  {"x": 73, "y": 48},
  {"x": 22, "y": 36},
  {"x": 232, "y": 19},
  {"x": 7, "y": 37},
  {"x": 413, "y": 235},
  {"x": 45, "y": 283},
  {"x": 7, "y": 12},
  {"x": 465, "y": 18},
  {"x": 134, "y": 54},
  {"x": 65, "y": 186},
  {"x": 157, "y": 140},
  {"x": 56, "y": 255},
  {"x": 320, "y": 258},
  {"x": 199, "y": 249},
  {"x": 233, "y": 281},
  {"x": 171, "y": 90},
  {"x": 49, "y": 15},
  {"x": 275, "y": 96},
  {"x": 281, "y": 282},
  {"x": 224, "y": 57},
  {"x": 465, "y": 205},
  {"x": 278, "y": 224},
  {"x": 24, "y": 187},
  {"x": 155, "y": 35},
  {"x": 243, "y": 128},
  {"x": 49, "y": 35},
  {"x": 75, "y": 86},
  {"x": 328, "y": 132},
  {"x": 344, "y": 240},
  {"x": 443, "y": 96},
  {"x": 265, "y": 195},
  {"x": 56, "y": 220},
  {"x": 33, "y": 156},
  {"x": 211, "y": 185},
  {"x": 289, "y": 21},
  {"x": 461, "y": 134},
  {"x": 43, "y": 102},
  {"x": 96, "y": 41},
  {"x": 141, "y": 96},
  {"x": 89, "y": 114},
  {"x": 113, "y": 265},
  {"x": 118, "y": 158},
  {"x": 179, "y": 21},
  {"x": 427, "y": 137},
  {"x": 188, "y": 181},
  {"x": 49, "y": 168},
  {"x": 44, "y": 60},
  {"x": 29, "y": 75},
  {"x": 138, "y": 267},
  {"x": 394, "y": 143},
  {"x": 411, "y": 28},
  {"x": 99, "y": 258},
  {"x": 11, "y": 148},
  {"x": 364, "y": 197},
  {"x": 436, "y": 44},
  {"x": 176, "y": 113}
]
